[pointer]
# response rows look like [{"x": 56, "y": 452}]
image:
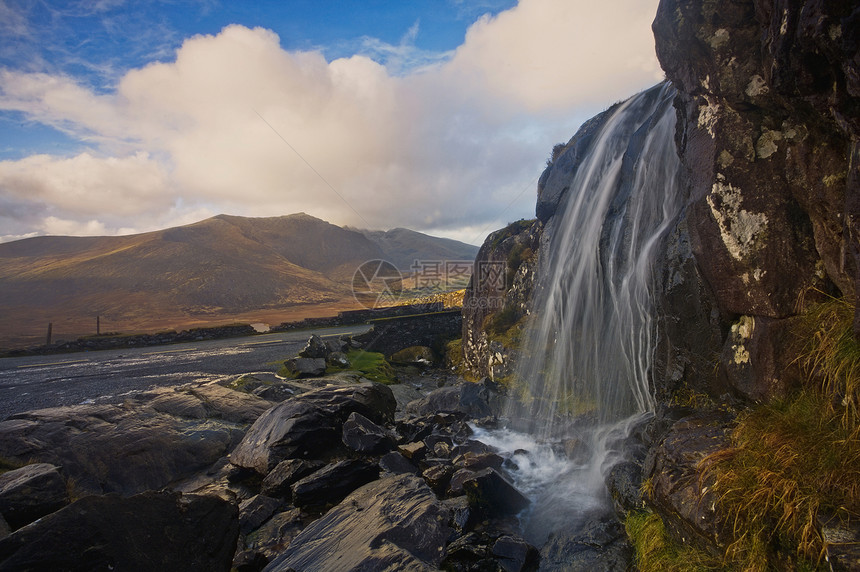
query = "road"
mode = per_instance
[{"x": 35, "y": 382}]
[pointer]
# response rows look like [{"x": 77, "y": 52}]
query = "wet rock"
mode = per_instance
[
  {"x": 331, "y": 483},
  {"x": 396, "y": 463},
  {"x": 205, "y": 401},
  {"x": 478, "y": 461},
  {"x": 181, "y": 532},
  {"x": 841, "y": 541},
  {"x": 309, "y": 425},
  {"x": 680, "y": 494},
  {"x": 278, "y": 482},
  {"x": 362, "y": 435},
  {"x": 31, "y": 492},
  {"x": 461, "y": 513},
  {"x": 624, "y": 482},
  {"x": 469, "y": 552},
  {"x": 473, "y": 399},
  {"x": 488, "y": 491},
  {"x": 255, "y": 511},
  {"x": 125, "y": 448},
  {"x": 315, "y": 348},
  {"x": 438, "y": 477},
  {"x": 601, "y": 546},
  {"x": 455, "y": 487},
  {"x": 393, "y": 523},
  {"x": 275, "y": 535},
  {"x": 305, "y": 367},
  {"x": 515, "y": 554}
]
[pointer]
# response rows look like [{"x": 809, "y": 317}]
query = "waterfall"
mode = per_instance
[
  {"x": 584, "y": 380},
  {"x": 591, "y": 344}
]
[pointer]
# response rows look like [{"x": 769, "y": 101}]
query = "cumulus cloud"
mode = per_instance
[{"x": 237, "y": 124}]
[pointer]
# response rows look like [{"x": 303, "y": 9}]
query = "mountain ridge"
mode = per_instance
[{"x": 219, "y": 267}]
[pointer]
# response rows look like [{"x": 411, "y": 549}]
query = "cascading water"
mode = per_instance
[{"x": 586, "y": 363}]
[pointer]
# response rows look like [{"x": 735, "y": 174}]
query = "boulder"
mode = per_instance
[
  {"x": 338, "y": 359},
  {"x": 624, "y": 482},
  {"x": 278, "y": 482},
  {"x": 601, "y": 546},
  {"x": 515, "y": 554},
  {"x": 473, "y": 399},
  {"x": 330, "y": 484},
  {"x": 255, "y": 511},
  {"x": 395, "y": 523},
  {"x": 149, "y": 531},
  {"x": 315, "y": 348},
  {"x": 396, "y": 463},
  {"x": 31, "y": 492},
  {"x": 309, "y": 425},
  {"x": 362, "y": 435},
  {"x": 488, "y": 491},
  {"x": 305, "y": 367}
]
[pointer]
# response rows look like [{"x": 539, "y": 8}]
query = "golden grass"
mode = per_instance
[
  {"x": 657, "y": 552},
  {"x": 788, "y": 461},
  {"x": 829, "y": 354}
]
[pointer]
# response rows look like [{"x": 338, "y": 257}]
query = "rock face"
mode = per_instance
[
  {"x": 500, "y": 289},
  {"x": 150, "y": 531},
  {"x": 393, "y": 523},
  {"x": 768, "y": 108}
]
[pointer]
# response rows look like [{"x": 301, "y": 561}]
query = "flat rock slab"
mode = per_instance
[
  {"x": 150, "y": 531},
  {"x": 395, "y": 523},
  {"x": 129, "y": 448}
]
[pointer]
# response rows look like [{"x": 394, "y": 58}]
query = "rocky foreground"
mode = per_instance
[{"x": 328, "y": 473}]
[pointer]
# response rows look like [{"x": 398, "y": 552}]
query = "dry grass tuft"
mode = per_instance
[
  {"x": 657, "y": 552},
  {"x": 789, "y": 460},
  {"x": 829, "y": 354}
]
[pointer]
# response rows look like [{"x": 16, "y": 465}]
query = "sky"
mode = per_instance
[{"x": 119, "y": 117}]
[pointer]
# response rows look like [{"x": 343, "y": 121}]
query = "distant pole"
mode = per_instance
[
  {"x": 98, "y": 326},
  {"x": 50, "y": 328}
]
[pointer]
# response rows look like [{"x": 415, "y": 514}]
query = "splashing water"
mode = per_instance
[{"x": 586, "y": 366}]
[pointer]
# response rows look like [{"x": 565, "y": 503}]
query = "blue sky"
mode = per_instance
[{"x": 120, "y": 117}]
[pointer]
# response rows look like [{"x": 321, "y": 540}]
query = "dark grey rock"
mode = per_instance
[
  {"x": 488, "y": 491},
  {"x": 310, "y": 425},
  {"x": 362, "y": 435},
  {"x": 515, "y": 554},
  {"x": 31, "y": 492},
  {"x": 395, "y": 523},
  {"x": 273, "y": 537},
  {"x": 624, "y": 482},
  {"x": 396, "y": 463},
  {"x": 305, "y": 367},
  {"x": 255, "y": 511},
  {"x": 473, "y": 399},
  {"x": 338, "y": 359},
  {"x": 330, "y": 484},
  {"x": 315, "y": 348},
  {"x": 149, "y": 531},
  {"x": 601, "y": 546},
  {"x": 277, "y": 483}
]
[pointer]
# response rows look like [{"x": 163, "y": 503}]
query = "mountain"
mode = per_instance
[
  {"x": 222, "y": 268},
  {"x": 402, "y": 247}
]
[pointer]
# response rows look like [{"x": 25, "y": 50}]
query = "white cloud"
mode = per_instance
[{"x": 237, "y": 124}]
